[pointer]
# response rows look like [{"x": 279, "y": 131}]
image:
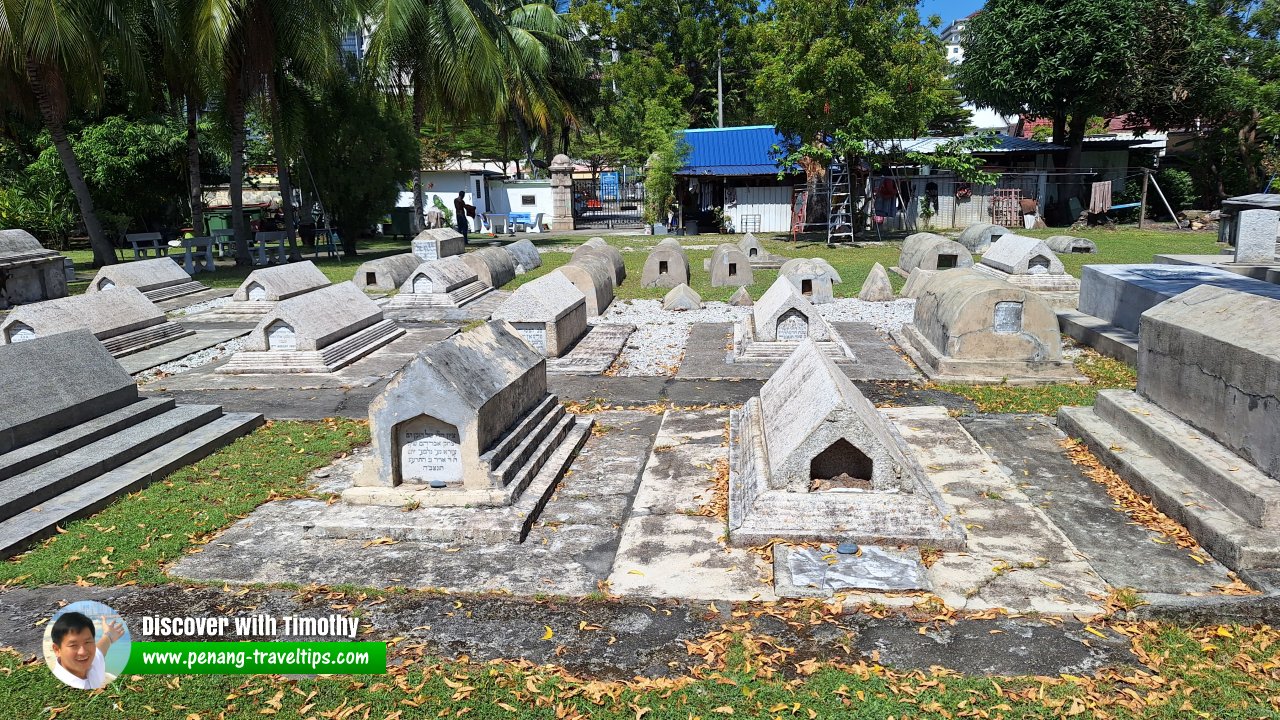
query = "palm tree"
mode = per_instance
[
  {"x": 52, "y": 56},
  {"x": 445, "y": 54},
  {"x": 257, "y": 44}
]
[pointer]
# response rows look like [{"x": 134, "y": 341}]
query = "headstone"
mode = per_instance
[
  {"x": 916, "y": 282},
  {"x": 158, "y": 278},
  {"x": 877, "y": 287},
  {"x": 28, "y": 272},
  {"x": 447, "y": 282},
  {"x": 969, "y": 327},
  {"x": 280, "y": 282},
  {"x": 316, "y": 332},
  {"x": 977, "y": 238},
  {"x": 592, "y": 274},
  {"x": 814, "y": 278},
  {"x": 1021, "y": 255},
  {"x": 386, "y": 274},
  {"x": 1070, "y": 244},
  {"x": 928, "y": 251},
  {"x": 124, "y": 320},
  {"x": 494, "y": 266},
  {"x": 452, "y": 427},
  {"x": 730, "y": 267},
  {"x": 1119, "y": 294},
  {"x": 682, "y": 297},
  {"x": 1201, "y": 435},
  {"x": 597, "y": 244},
  {"x": 811, "y": 459},
  {"x": 525, "y": 255},
  {"x": 549, "y": 312},
  {"x": 741, "y": 298},
  {"x": 1255, "y": 235},
  {"x": 438, "y": 243},
  {"x": 667, "y": 266}
]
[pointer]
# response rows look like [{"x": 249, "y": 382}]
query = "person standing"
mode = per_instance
[{"x": 462, "y": 211}]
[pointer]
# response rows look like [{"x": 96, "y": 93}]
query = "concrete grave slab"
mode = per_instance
[
  {"x": 814, "y": 278},
  {"x": 1255, "y": 234},
  {"x": 972, "y": 328},
  {"x": 811, "y": 459},
  {"x": 977, "y": 238},
  {"x": 741, "y": 298},
  {"x": 729, "y": 267},
  {"x": 681, "y": 297},
  {"x": 445, "y": 283},
  {"x": 592, "y": 274},
  {"x": 280, "y": 282},
  {"x": 316, "y": 332},
  {"x": 916, "y": 281},
  {"x": 494, "y": 266},
  {"x": 599, "y": 246},
  {"x": 158, "y": 278},
  {"x": 1070, "y": 244},
  {"x": 709, "y": 355},
  {"x": 666, "y": 266},
  {"x": 876, "y": 288},
  {"x": 28, "y": 272},
  {"x": 385, "y": 274},
  {"x": 927, "y": 251},
  {"x": 124, "y": 320},
  {"x": 757, "y": 255},
  {"x": 549, "y": 313},
  {"x": 595, "y": 352},
  {"x": 1028, "y": 262},
  {"x": 525, "y": 255},
  {"x": 438, "y": 243}
]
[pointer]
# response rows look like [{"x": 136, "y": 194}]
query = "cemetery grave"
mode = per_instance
[
  {"x": 931, "y": 252},
  {"x": 161, "y": 280},
  {"x": 1028, "y": 262},
  {"x": 446, "y": 289},
  {"x": 28, "y": 272}
]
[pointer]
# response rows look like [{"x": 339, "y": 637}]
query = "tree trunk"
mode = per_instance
[
  {"x": 419, "y": 117},
  {"x": 1075, "y": 146},
  {"x": 282, "y": 172},
  {"x": 524, "y": 142},
  {"x": 235, "y": 106},
  {"x": 1246, "y": 142},
  {"x": 51, "y": 112},
  {"x": 349, "y": 237},
  {"x": 195, "y": 198}
]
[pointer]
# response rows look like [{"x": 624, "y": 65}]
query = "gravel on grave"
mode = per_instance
[
  {"x": 192, "y": 361},
  {"x": 657, "y": 346},
  {"x": 200, "y": 307}
]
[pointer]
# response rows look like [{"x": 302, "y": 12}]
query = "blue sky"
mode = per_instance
[{"x": 949, "y": 9}]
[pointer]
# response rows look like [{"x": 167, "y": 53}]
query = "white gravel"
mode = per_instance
[
  {"x": 201, "y": 307},
  {"x": 658, "y": 344},
  {"x": 192, "y": 361}
]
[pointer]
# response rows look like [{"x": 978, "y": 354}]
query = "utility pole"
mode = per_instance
[
  {"x": 1142, "y": 205},
  {"x": 720, "y": 82}
]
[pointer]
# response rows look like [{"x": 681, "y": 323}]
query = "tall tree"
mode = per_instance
[{"x": 53, "y": 56}]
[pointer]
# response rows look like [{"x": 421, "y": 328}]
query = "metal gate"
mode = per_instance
[{"x": 608, "y": 202}]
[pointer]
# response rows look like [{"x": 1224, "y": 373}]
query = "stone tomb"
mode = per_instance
[
  {"x": 525, "y": 255},
  {"x": 265, "y": 287},
  {"x": 438, "y": 243},
  {"x": 729, "y": 267},
  {"x": 316, "y": 332},
  {"x": 124, "y": 320},
  {"x": 1028, "y": 262},
  {"x": 494, "y": 267},
  {"x": 1201, "y": 435},
  {"x": 977, "y": 238},
  {"x": 814, "y": 278},
  {"x": 928, "y": 251},
  {"x": 549, "y": 313},
  {"x": 614, "y": 256},
  {"x": 469, "y": 422},
  {"x": 811, "y": 459},
  {"x": 972, "y": 328},
  {"x": 75, "y": 434},
  {"x": 158, "y": 278},
  {"x": 916, "y": 281},
  {"x": 1255, "y": 235},
  {"x": 667, "y": 266},
  {"x": 1070, "y": 244},
  {"x": 757, "y": 255},
  {"x": 386, "y": 274},
  {"x": 28, "y": 272},
  {"x": 445, "y": 283},
  {"x": 592, "y": 274},
  {"x": 681, "y": 298},
  {"x": 779, "y": 321}
]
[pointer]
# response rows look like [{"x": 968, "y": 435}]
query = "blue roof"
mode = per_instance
[{"x": 731, "y": 151}]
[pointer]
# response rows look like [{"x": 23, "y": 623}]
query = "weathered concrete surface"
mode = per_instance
[
  {"x": 204, "y": 337},
  {"x": 876, "y": 288},
  {"x": 814, "y": 278},
  {"x": 741, "y": 298},
  {"x": 636, "y": 637},
  {"x": 927, "y": 251},
  {"x": 550, "y": 313},
  {"x": 1123, "y": 553},
  {"x": 594, "y": 352},
  {"x": 729, "y": 266},
  {"x": 567, "y": 552},
  {"x": 710, "y": 346},
  {"x": 977, "y": 238},
  {"x": 494, "y": 266},
  {"x": 1070, "y": 244},
  {"x": 1255, "y": 234},
  {"x": 681, "y": 297},
  {"x": 597, "y": 246},
  {"x": 1119, "y": 294},
  {"x": 385, "y": 274},
  {"x": 1022, "y": 255},
  {"x": 525, "y": 255},
  {"x": 592, "y": 274}
]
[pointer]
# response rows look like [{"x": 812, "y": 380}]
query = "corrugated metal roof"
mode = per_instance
[
  {"x": 731, "y": 151},
  {"x": 1004, "y": 143}
]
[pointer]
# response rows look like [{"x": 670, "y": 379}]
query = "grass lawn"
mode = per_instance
[
  {"x": 1103, "y": 373},
  {"x": 1215, "y": 672}
]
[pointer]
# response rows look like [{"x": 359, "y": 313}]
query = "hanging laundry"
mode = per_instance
[{"x": 1100, "y": 198}]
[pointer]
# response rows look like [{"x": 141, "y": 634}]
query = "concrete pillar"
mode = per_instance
[{"x": 561, "y": 193}]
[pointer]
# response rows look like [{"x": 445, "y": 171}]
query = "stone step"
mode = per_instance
[
  {"x": 139, "y": 340},
  {"x": 173, "y": 291},
  {"x": 1226, "y": 535},
  {"x": 533, "y": 432},
  {"x": 1235, "y": 483},
  {"x": 19, "y": 531},
  {"x": 39, "y": 484},
  {"x": 496, "y": 455},
  {"x": 59, "y": 444},
  {"x": 357, "y": 345},
  {"x": 536, "y": 453}
]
